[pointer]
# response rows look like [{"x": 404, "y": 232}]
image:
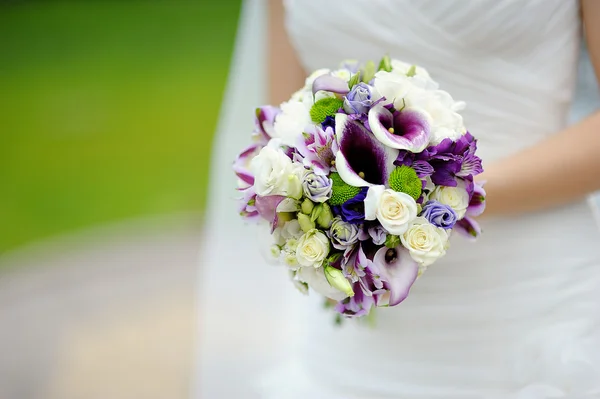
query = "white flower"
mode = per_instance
[
  {"x": 289, "y": 259},
  {"x": 394, "y": 87},
  {"x": 300, "y": 285},
  {"x": 291, "y": 230},
  {"x": 456, "y": 198},
  {"x": 425, "y": 242},
  {"x": 342, "y": 74},
  {"x": 394, "y": 210},
  {"x": 276, "y": 174},
  {"x": 313, "y": 248},
  {"x": 316, "y": 280},
  {"x": 420, "y": 78},
  {"x": 292, "y": 120}
]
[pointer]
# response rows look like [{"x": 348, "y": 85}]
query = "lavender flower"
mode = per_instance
[
  {"x": 377, "y": 234},
  {"x": 343, "y": 234},
  {"x": 318, "y": 148},
  {"x": 316, "y": 188},
  {"x": 439, "y": 215},
  {"x": 359, "y": 100}
]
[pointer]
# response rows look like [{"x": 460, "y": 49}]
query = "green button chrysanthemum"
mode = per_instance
[
  {"x": 325, "y": 107},
  {"x": 341, "y": 191},
  {"x": 404, "y": 179}
]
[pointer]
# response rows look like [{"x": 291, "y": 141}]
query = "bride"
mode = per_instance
[{"x": 514, "y": 315}]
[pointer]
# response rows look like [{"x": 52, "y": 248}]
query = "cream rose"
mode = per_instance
[
  {"x": 425, "y": 242},
  {"x": 456, "y": 198},
  {"x": 394, "y": 210},
  {"x": 275, "y": 174},
  {"x": 312, "y": 248}
]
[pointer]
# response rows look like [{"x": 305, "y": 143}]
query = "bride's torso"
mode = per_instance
[{"x": 517, "y": 308}]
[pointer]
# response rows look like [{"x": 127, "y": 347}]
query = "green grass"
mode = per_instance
[{"x": 107, "y": 110}]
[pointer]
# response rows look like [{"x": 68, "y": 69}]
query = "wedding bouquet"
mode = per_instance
[{"x": 361, "y": 177}]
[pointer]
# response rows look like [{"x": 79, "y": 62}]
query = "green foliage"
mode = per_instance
[
  {"x": 325, "y": 107},
  {"x": 385, "y": 64},
  {"x": 404, "y": 179},
  {"x": 392, "y": 241},
  {"x": 368, "y": 72},
  {"x": 341, "y": 191}
]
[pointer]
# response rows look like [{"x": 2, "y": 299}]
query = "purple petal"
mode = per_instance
[
  {"x": 445, "y": 171},
  {"x": 330, "y": 83},
  {"x": 477, "y": 203},
  {"x": 241, "y": 164},
  {"x": 468, "y": 227},
  {"x": 267, "y": 207},
  {"x": 471, "y": 165},
  {"x": 265, "y": 117},
  {"x": 362, "y": 160},
  {"x": 403, "y": 130},
  {"x": 422, "y": 168},
  {"x": 398, "y": 269}
]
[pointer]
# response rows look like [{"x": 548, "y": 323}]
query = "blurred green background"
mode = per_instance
[{"x": 107, "y": 110}]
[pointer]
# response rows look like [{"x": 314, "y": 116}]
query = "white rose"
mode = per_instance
[
  {"x": 275, "y": 174},
  {"x": 425, "y": 242},
  {"x": 313, "y": 248},
  {"x": 292, "y": 120},
  {"x": 315, "y": 278},
  {"x": 456, "y": 198},
  {"x": 394, "y": 210}
]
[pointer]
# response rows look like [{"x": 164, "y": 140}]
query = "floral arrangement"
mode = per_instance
[{"x": 361, "y": 177}]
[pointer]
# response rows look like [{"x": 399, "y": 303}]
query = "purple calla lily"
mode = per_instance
[
  {"x": 362, "y": 160},
  {"x": 404, "y": 130},
  {"x": 398, "y": 270},
  {"x": 330, "y": 83}
]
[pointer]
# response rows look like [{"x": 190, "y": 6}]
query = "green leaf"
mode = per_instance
[
  {"x": 385, "y": 64},
  {"x": 354, "y": 80},
  {"x": 392, "y": 241}
]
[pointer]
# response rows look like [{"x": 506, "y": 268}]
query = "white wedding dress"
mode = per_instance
[{"x": 515, "y": 315}]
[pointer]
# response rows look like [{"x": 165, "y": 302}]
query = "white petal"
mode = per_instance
[{"x": 372, "y": 201}]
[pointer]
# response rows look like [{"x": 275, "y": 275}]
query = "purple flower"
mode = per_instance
[
  {"x": 241, "y": 166},
  {"x": 356, "y": 306},
  {"x": 398, "y": 271},
  {"x": 353, "y": 210},
  {"x": 343, "y": 234},
  {"x": 359, "y": 100},
  {"x": 468, "y": 226},
  {"x": 266, "y": 206},
  {"x": 316, "y": 188},
  {"x": 404, "y": 130},
  {"x": 378, "y": 234},
  {"x": 439, "y": 215},
  {"x": 265, "y": 117},
  {"x": 362, "y": 160},
  {"x": 247, "y": 204},
  {"x": 318, "y": 148}
]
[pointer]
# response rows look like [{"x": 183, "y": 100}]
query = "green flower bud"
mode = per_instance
[
  {"x": 286, "y": 216},
  {"x": 325, "y": 217},
  {"x": 325, "y": 107},
  {"x": 307, "y": 206},
  {"x": 392, "y": 241},
  {"x": 412, "y": 71},
  {"x": 305, "y": 223},
  {"x": 385, "y": 64},
  {"x": 337, "y": 280},
  {"x": 354, "y": 80}
]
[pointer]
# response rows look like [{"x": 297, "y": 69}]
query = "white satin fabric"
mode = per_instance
[{"x": 515, "y": 315}]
